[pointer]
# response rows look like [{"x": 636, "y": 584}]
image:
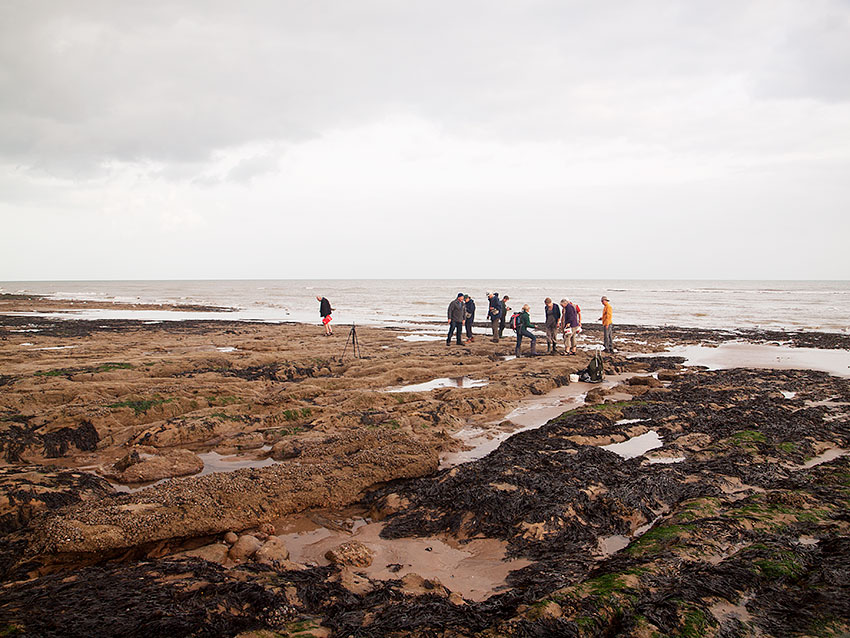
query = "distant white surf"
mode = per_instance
[{"x": 783, "y": 305}]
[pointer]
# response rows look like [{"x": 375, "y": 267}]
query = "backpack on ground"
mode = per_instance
[
  {"x": 593, "y": 372},
  {"x": 515, "y": 321}
]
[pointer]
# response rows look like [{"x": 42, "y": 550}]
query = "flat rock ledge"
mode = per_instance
[{"x": 217, "y": 503}]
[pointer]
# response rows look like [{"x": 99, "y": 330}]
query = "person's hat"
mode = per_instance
[
  {"x": 460, "y": 294},
  {"x": 604, "y": 298}
]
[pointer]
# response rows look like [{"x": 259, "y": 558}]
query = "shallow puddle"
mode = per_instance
[
  {"x": 421, "y": 337},
  {"x": 637, "y": 446},
  {"x": 665, "y": 459},
  {"x": 531, "y": 413},
  {"x": 825, "y": 457},
  {"x": 748, "y": 355},
  {"x": 443, "y": 382},
  {"x": 213, "y": 462},
  {"x": 476, "y": 570},
  {"x": 612, "y": 544}
]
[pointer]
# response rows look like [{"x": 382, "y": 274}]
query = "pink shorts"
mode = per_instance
[{"x": 326, "y": 320}]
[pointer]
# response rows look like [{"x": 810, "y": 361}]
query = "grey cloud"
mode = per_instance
[
  {"x": 813, "y": 62},
  {"x": 87, "y": 82}
]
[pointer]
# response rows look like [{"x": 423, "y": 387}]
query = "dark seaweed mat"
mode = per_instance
[
  {"x": 167, "y": 599},
  {"x": 15, "y": 439},
  {"x": 551, "y": 472},
  {"x": 27, "y": 497}
]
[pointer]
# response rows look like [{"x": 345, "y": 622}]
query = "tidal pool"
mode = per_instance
[{"x": 443, "y": 382}]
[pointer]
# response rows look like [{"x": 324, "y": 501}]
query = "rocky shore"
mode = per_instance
[{"x": 156, "y": 474}]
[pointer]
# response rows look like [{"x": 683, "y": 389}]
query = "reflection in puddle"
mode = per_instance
[
  {"x": 636, "y": 446},
  {"x": 665, "y": 459},
  {"x": 213, "y": 462},
  {"x": 749, "y": 355},
  {"x": 443, "y": 382},
  {"x": 528, "y": 415},
  {"x": 611, "y": 544},
  {"x": 628, "y": 421},
  {"x": 420, "y": 337},
  {"x": 475, "y": 569}
]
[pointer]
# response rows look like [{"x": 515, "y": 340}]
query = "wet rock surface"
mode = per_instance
[
  {"x": 353, "y": 554},
  {"x": 733, "y": 536},
  {"x": 146, "y": 464}
]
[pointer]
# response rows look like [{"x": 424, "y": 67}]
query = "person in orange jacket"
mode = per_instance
[{"x": 607, "y": 325}]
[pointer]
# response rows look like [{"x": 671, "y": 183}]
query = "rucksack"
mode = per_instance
[
  {"x": 515, "y": 321},
  {"x": 595, "y": 368}
]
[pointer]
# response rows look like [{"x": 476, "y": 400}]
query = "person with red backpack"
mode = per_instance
[{"x": 521, "y": 323}]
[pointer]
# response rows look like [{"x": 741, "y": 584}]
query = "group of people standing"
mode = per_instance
[
  {"x": 461, "y": 314},
  {"x": 564, "y": 318}
]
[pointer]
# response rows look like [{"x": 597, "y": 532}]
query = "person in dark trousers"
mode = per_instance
[
  {"x": 469, "y": 302},
  {"x": 570, "y": 326},
  {"x": 553, "y": 317},
  {"x": 607, "y": 320},
  {"x": 523, "y": 329},
  {"x": 505, "y": 311},
  {"x": 494, "y": 314},
  {"x": 325, "y": 311},
  {"x": 456, "y": 314}
]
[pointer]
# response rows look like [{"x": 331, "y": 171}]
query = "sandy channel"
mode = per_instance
[{"x": 475, "y": 569}]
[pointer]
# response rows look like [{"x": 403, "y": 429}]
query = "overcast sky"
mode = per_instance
[{"x": 361, "y": 138}]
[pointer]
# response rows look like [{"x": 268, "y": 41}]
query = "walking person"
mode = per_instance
[
  {"x": 553, "y": 317},
  {"x": 505, "y": 310},
  {"x": 607, "y": 325},
  {"x": 456, "y": 314},
  {"x": 523, "y": 329},
  {"x": 570, "y": 325},
  {"x": 494, "y": 314},
  {"x": 325, "y": 311},
  {"x": 469, "y": 302}
]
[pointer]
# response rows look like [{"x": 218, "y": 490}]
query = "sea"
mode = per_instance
[{"x": 782, "y": 305}]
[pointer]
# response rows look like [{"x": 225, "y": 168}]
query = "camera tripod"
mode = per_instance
[{"x": 355, "y": 344}]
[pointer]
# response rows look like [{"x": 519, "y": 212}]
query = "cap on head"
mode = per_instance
[
  {"x": 460, "y": 295},
  {"x": 604, "y": 298}
]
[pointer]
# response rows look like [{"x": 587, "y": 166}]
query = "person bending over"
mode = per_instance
[{"x": 325, "y": 311}]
